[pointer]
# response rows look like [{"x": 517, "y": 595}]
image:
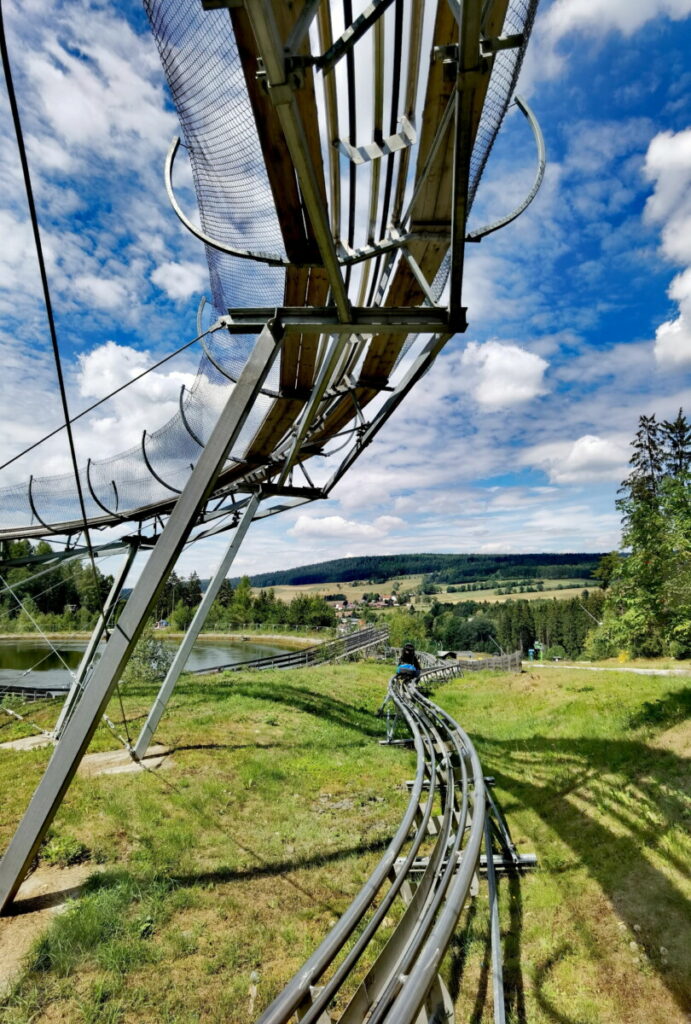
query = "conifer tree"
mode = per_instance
[
  {"x": 647, "y": 461},
  {"x": 676, "y": 440},
  {"x": 648, "y": 606}
]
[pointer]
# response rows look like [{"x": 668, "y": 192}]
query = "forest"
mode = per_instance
[
  {"x": 66, "y": 598},
  {"x": 442, "y": 568},
  {"x": 69, "y": 598},
  {"x": 562, "y": 627},
  {"x": 239, "y": 606}
]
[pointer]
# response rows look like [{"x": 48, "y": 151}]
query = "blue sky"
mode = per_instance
[{"x": 580, "y": 312}]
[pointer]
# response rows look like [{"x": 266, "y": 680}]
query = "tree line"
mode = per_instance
[
  {"x": 562, "y": 627},
  {"x": 442, "y": 568},
  {"x": 70, "y": 598},
  {"x": 238, "y": 606},
  {"x": 647, "y": 610}
]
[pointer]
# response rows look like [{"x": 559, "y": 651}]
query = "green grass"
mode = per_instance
[
  {"x": 590, "y": 771},
  {"x": 225, "y": 869}
]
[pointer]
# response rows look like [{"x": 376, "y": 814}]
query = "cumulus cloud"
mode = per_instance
[
  {"x": 100, "y": 291},
  {"x": 104, "y": 95},
  {"x": 341, "y": 529},
  {"x": 587, "y": 459},
  {"x": 668, "y": 165},
  {"x": 180, "y": 280},
  {"x": 502, "y": 375},
  {"x": 625, "y": 16},
  {"x": 149, "y": 403}
]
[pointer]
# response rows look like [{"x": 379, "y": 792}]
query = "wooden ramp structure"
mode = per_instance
[
  {"x": 335, "y": 157},
  {"x": 336, "y": 148}
]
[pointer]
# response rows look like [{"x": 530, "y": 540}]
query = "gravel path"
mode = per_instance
[{"x": 612, "y": 668}]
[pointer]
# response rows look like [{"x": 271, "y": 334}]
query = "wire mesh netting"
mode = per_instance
[{"x": 236, "y": 207}]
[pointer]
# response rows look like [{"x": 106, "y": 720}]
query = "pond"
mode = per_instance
[{"x": 32, "y": 663}]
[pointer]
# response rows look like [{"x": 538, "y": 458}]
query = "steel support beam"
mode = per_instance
[
  {"x": 281, "y": 88},
  {"x": 469, "y": 74},
  {"x": 95, "y": 639},
  {"x": 325, "y": 320},
  {"x": 68, "y": 753},
  {"x": 200, "y": 616},
  {"x": 495, "y": 930}
]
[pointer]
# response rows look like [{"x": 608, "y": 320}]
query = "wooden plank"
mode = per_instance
[
  {"x": 279, "y": 166},
  {"x": 433, "y": 206},
  {"x": 304, "y": 286}
]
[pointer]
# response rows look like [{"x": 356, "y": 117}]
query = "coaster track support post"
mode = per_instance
[
  {"x": 95, "y": 639},
  {"x": 77, "y": 736},
  {"x": 200, "y": 616}
]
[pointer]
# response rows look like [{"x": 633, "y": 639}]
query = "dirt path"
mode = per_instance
[
  {"x": 42, "y": 895},
  {"x": 614, "y": 668}
]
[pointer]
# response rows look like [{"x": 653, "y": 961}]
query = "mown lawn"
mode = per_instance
[{"x": 215, "y": 877}]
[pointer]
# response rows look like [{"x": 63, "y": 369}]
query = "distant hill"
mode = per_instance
[{"x": 441, "y": 568}]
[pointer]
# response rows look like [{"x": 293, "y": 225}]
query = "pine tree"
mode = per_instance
[
  {"x": 193, "y": 593},
  {"x": 225, "y": 594},
  {"x": 648, "y": 604},
  {"x": 648, "y": 459},
  {"x": 676, "y": 440}
]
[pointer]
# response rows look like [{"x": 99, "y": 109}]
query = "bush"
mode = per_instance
[
  {"x": 556, "y": 651},
  {"x": 150, "y": 661}
]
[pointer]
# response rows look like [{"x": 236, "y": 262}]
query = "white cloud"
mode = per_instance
[
  {"x": 501, "y": 374},
  {"x": 341, "y": 529},
  {"x": 626, "y": 16},
  {"x": 668, "y": 165},
  {"x": 149, "y": 403},
  {"x": 180, "y": 280},
  {"x": 587, "y": 459},
  {"x": 106, "y": 97},
  {"x": 673, "y": 342},
  {"x": 18, "y": 266},
  {"x": 100, "y": 291}
]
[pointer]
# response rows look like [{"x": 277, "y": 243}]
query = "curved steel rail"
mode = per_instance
[
  {"x": 404, "y": 976},
  {"x": 271, "y": 258},
  {"x": 477, "y": 236},
  {"x": 319, "y": 654}
]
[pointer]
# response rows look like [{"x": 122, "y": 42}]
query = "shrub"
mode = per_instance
[{"x": 61, "y": 851}]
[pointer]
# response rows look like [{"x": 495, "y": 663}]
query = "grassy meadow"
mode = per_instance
[
  {"x": 355, "y": 591},
  {"x": 215, "y": 877}
]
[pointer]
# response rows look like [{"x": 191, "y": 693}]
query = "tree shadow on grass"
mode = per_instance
[
  {"x": 665, "y": 712},
  {"x": 359, "y": 718},
  {"x": 109, "y": 879},
  {"x": 571, "y": 784}
]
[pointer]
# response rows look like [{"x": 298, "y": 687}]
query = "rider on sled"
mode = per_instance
[{"x": 408, "y": 664}]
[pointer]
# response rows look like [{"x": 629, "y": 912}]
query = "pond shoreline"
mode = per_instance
[{"x": 279, "y": 639}]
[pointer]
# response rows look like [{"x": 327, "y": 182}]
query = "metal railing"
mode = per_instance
[
  {"x": 432, "y": 865},
  {"x": 502, "y": 662},
  {"x": 331, "y": 650},
  {"x": 32, "y": 693}
]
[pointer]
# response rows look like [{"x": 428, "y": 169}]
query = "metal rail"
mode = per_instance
[
  {"x": 449, "y": 816},
  {"x": 32, "y": 693},
  {"x": 319, "y": 654}
]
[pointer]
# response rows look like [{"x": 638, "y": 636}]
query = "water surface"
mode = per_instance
[{"x": 33, "y": 663}]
